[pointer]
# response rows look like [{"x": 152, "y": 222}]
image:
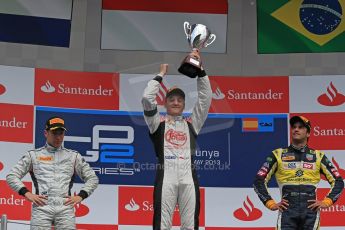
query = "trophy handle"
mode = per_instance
[
  {"x": 187, "y": 27},
  {"x": 210, "y": 40}
]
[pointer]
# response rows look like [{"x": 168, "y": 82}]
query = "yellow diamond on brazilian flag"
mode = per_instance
[{"x": 301, "y": 26}]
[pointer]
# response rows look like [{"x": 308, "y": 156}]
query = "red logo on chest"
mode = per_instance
[{"x": 176, "y": 138}]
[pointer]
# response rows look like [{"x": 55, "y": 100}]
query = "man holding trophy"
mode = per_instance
[{"x": 174, "y": 139}]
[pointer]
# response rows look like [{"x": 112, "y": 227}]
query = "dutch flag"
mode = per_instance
[{"x": 39, "y": 22}]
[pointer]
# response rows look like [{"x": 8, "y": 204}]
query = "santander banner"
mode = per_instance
[
  {"x": 136, "y": 206},
  {"x": 250, "y": 95},
  {"x": 237, "y": 208},
  {"x": 327, "y": 94},
  {"x": 16, "y": 123},
  {"x": 328, "y": 130},
  {"x": 14, "y": 205},
  {"x": 72, "y": 89}
]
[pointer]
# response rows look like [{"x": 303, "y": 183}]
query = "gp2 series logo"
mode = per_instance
[{"x": 114, "y": 149}]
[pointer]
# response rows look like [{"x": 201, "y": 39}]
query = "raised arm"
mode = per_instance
[
  {"x": 149, "y": 102},
  {"x": 200, "y": 110}
]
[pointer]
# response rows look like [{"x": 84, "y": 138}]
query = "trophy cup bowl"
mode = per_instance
[{"x": 198, "y": 36}]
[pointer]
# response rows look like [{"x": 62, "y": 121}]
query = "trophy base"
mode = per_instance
[{"x": 190, "y": 67}]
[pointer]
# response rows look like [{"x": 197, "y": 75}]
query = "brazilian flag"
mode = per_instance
[{"x": 301, "y": 26}]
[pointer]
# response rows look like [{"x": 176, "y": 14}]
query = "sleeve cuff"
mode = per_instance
[
  {"x": 328, "y": 201},
  {"x": 202, "y": 73},
  {"x": 22, "y": 191},
  {"x": 158, "y": 78},
  {"x": 270, "y": 203},
  {"x": 83, "y": 194},
  {"x": 150, "y": 113}
]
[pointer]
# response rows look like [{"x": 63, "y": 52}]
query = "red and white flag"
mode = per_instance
[{"x": 157, "y": 25}]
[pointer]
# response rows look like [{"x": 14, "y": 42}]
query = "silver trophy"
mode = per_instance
[{"x": 198, "y": 36}]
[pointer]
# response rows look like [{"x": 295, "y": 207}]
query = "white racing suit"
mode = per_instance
[
  {"x": 174, "y": 141},
  {"x": 52, "y": 171}
]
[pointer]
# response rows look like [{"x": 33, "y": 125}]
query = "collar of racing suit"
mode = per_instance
[
  {"x": 299, "y": 149},
  {"x": 52, "y": 149},
  {"x": 170, "y": 118}
]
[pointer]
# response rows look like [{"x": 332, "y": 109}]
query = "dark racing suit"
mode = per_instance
[
  {"x": 298, "y": 172},
  {"x": 52, "y": 171},
  {"x": 174, "y": 141}
]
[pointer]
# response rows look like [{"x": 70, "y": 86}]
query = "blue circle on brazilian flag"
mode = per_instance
[{"x": 320, "y": 16}]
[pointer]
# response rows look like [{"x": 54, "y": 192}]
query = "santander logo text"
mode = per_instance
[
  {"x": 248, "y": 212},
  {"x": 73, "y": 90},
  {"x": 2, "y": 89},
  {"x": 16, "y": 123},
  {"x": 249, "y": 94},
  {"x": 334, "y": 131},
  {"x": 332, "y": 97},
  {"x": 146, "y": 206},
  {"x": 14, "y": 205}
]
